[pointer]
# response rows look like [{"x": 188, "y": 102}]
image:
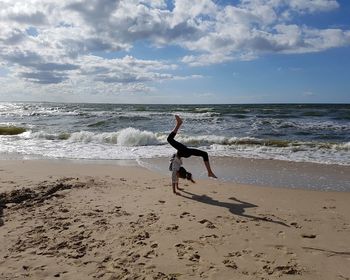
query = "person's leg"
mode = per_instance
[
  {"x": 175, "y": 186},
  {"x": 178, "y": 146},
  {"x": 178, "y": 123},
  {"x": 210, "y": 172},
  {"x": 204, "y": 155}
]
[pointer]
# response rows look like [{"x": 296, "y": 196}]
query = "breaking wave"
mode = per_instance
[
  {"x": 132, "y": 137},
  {"x": 128, "y": 137}
]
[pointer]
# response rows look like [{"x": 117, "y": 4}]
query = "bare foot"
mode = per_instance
[
  {"x": 211, "y": 174},
  {"x": 178, "y": 119},
  {"x": 176, "y": 193},
  {"x": 180, "y": 189}
]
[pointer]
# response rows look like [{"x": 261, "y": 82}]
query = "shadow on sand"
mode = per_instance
[
  {"x": 2, "y": 206},
  {"x": 238, "y": 208}
]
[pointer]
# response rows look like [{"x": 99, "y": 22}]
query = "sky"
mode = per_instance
[{"x": 175, "y": 51}]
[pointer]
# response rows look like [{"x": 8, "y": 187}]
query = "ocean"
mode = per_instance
[{"x": 291, "y": 132}]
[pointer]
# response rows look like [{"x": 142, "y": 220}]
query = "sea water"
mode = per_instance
[{"x": 293, "y": 132}]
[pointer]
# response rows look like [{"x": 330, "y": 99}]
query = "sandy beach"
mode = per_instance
[{"x": 67, "y": 220}]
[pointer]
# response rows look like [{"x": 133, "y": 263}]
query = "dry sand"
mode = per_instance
[{"x": 65, "y": 220}]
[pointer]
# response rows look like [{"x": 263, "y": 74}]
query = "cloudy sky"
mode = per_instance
[{"x": 175, "y": 51}]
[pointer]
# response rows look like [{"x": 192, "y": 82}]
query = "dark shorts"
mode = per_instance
[{"x": 185, "y": 152}]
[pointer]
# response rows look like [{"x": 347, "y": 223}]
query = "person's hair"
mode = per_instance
[{"x": 185, "y": 175}]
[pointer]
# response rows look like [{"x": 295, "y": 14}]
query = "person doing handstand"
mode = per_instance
[{"x": 183, "y": 151}]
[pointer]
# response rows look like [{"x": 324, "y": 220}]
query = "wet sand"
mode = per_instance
[
  {"x": 264, "y": 172},
  {"x": 66, "y": 220}
]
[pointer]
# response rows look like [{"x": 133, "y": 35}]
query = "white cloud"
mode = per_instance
[
  {"x": 256, "y": 27},
  {"x": 185, "y": 11},
  {"x": 91, "y": 78},
  {"x": 320, "y": 40},
  {"x": 126, "y": 70},
  {"x": 264, "y": 8},
  {"x": 54, "y": 43},
  {"x": 206, "y": 59},
  {"x": 313, "y": 5}
]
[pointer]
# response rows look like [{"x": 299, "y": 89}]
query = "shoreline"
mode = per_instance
[{"x": 99, "y": 221}]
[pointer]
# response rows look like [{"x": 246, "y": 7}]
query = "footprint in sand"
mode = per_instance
[
  {"x": 147, "y": 220},
  {"x": 102, "y": 224},
  {"x": 150, "y": 254},
  {"x": 290, "y": 268},
  {"x": 185, "y": 214},
  {"x": 194, "y": 257},
  {"x": 230, "y": 263},
  {"x": 163, "y": 276},
  {"x": 118, "y": 212},
  {"x": 207, "y": 223},
  {"x": 308, "y": 235},
  {"x": 186, "y": 251},
  {"x": 295, "y": 224},
  {"x": 180, "y": 249},
  {"x": 141, "y": 236},
  {"x": 41, "y": 267},
  {"x": 172, "y": 227},
  {"x": 208, "y": 237}
]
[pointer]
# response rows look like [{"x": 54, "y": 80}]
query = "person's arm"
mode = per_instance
[
  {"x": 174, "y": 188},
  {"x": 176, "y": 164},
  {"x": 175, "y": 180}
]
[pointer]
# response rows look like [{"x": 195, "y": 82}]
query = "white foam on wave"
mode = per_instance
[
  {"x": 135, "y": 137},
  {"x": 37, "y": 147},
  {"x": 9, "y": 108},
  {"x": 197, "y": 115},
  {"x": 128, "y": 137},
  {"x": 300, "y": 124},
  {"x": 204, "y": 109},
  {"x": 289, "y": 153},
  {"x": 204, "y": 140},
  {"x": 344, "y": 146},
  {"x": 27, "y": 110}
]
